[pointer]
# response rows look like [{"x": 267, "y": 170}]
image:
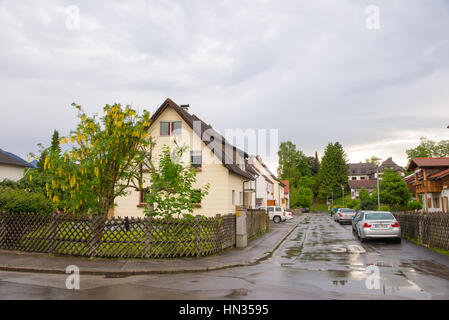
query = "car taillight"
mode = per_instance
[
  {"x": 395, "y": 225},
  {"x": 366, "y": 225},
  {"x": 284, "y": 213},
  {"x": 340, "y": 214}
]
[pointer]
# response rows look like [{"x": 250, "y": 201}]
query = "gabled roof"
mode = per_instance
[
  {"x": 267, "y": 180},
  {"x": 427, "y": 163},
  {"x": 389, "y": 163},
  {"x": 268, "y": 170},
  {"x": 13, "y": 160},
  {"x": 190, "y": 119},
  {"x": 361, "y": 168},
  {"x": 358, "y": 184},
  {"x": 439, "y": 175}
]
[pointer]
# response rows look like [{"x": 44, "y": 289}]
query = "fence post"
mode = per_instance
[
  {"x": 197, "y": 235},
  {"x": 148, "y": 236},
  {"x": 98, "y": 224},
  {"x": 241, "y": 236},
  {"x": 53, "y": 233},
  {"x": 218, "y": 233},
  {"x": 2, "y": 228}
]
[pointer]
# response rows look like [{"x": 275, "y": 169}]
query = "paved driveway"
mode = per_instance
[{"x": 320, "y": 260}]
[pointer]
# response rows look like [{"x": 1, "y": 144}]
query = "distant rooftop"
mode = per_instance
[{"x": 13, "y": 160}]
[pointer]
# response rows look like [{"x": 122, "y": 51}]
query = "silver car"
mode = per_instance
[
  {"x": 344, "y": 215},
  {"x": 376, "y": 225}
]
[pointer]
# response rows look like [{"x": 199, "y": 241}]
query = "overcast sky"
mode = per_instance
[{"x": 311, "y": 69}]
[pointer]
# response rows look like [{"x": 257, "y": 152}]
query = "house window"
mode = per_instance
[
  {"x": 196, "y": 159},
  {"x": 240, "y": 198},
  {"x": 196, "y": 198},
  {"x": 170, "y": 128},
  {"x": 353, "y": 178},
  {"x": 233, "y": 197},
  {"x": 436, "y": 202},
  {"x": 362, "y": 178},
  {"x": 429, "y": 203}
]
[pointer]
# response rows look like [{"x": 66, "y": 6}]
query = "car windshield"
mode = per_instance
[
  {"x": 379, "y": 216},
  {"x": 347, "y": 210}
]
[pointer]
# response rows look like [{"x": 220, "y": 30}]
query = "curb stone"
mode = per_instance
[{"x": 251, "y": 262}]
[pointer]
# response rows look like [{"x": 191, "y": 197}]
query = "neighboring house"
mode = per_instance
[
  {"x": 390, "y": 164},
  {"x": 271, "y": 191},
  {"x": 12, "y": 167},
  {"x": 222, "y": 165},
  {"x": 357, "y": 185},
  {"x": 264, "y": 189},
  {"x": 361, "y": 171},
  {"x": 431, "y": 182},
  {"x": 367, "y": 171},
  {"x": 286, "y": 200}
]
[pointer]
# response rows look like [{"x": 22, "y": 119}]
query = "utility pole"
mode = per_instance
[
  {"x": 332, "y": 199},
  {"x": 343, "y": 193},
  {"x": 376, "y": 161}
]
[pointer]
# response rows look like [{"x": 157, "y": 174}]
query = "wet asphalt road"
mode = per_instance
[{"x": 320, "y": 260}]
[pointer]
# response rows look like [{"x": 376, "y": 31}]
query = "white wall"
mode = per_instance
[{"x": 11, "y": 172}]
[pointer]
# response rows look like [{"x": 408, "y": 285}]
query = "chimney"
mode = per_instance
[{"x": 185, "y": 107}]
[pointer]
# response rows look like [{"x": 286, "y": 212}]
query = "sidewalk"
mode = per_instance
[{"x": 258, "y": 249}]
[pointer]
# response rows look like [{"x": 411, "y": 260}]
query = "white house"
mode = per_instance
[
  {"x": 12, "y": 167},
  {"x": 216, "y": 161},
  {"x": 269, "y": 189}
]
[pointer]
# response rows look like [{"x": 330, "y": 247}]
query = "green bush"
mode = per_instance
[
  {"x": 384, "y": 207},
  {"x": 415, "y": 205},
  {"x": 367, "y": 204},
  {"x": 17, "y": 200},
  {"x": 353, "y": 203}
]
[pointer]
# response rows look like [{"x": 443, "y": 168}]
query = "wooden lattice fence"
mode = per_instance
[
  {"x": 429, "y": 229},
  {"x": 92, "y": 236}
]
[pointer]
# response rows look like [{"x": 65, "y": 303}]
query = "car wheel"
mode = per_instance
[{"x": 277, "y": 219}]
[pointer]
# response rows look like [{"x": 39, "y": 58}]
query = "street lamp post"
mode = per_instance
[
  {"x": 377, "y": 178},
  {"x": 343, "y": 194},
  {"x": 378, "y": 192}
]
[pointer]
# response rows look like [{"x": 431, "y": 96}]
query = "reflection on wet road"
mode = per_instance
[{"x": 320, "y": 260}]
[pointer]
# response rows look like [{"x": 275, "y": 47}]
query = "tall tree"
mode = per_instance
[
  {"x": 429, "y": 148},
  {"x": 393, "y": 190},
  {"x": 55, "y": 142},
  {"x": 102, "y": 160},
  {"x": 292, "y": 163},
  {"x": 333, "y": 171},
  {"x": 314, "y": 164}
]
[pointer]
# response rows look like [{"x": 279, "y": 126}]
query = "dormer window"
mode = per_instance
[{"x": 170, "y": 128}]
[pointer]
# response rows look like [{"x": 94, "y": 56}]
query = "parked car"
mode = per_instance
[
  {"x": 376, "y": 225},
  {"x": 344, "y": 215},
  {"x": 305, "y": 210},
  {"x": 276, "y": 214}
]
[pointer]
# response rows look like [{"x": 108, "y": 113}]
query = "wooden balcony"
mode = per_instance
[{"x": 428, "y": 186}]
